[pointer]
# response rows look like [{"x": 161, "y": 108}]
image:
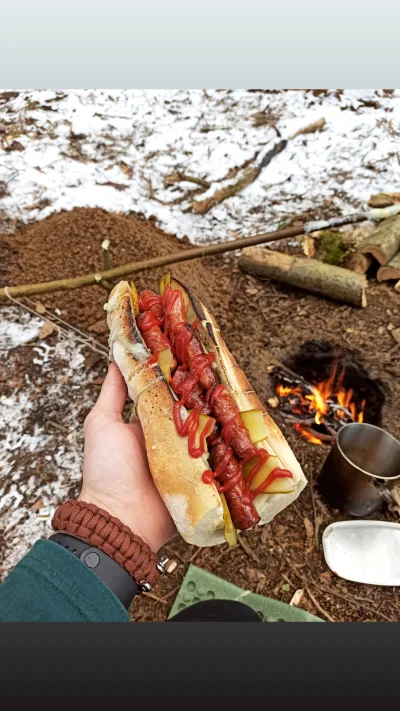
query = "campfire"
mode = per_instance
[{"x": 317, "y": 407}]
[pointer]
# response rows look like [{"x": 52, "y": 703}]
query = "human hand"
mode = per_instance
[{"x": 116, "y": 475}]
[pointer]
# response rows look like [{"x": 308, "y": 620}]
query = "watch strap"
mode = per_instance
[
  {"x": 101, "y": 530},
  {"x": 111, "y": 573}
]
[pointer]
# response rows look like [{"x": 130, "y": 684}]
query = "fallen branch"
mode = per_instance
[
  {"x": 182, "y": 256},
  {"x": 385, "y": 241},
  {"x": 318, "y": 606},
  {"x": 124, "y": 270},
  {"x": 391, "y": 270},
  {"x": 248, "y": 177},
  {"x": 179, "y": 177},
  {"x": 309, "y": 274},
  {"x": 250, "y": 174}
]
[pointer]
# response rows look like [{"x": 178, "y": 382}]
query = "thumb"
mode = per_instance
[{"x": 113, "y": 393}]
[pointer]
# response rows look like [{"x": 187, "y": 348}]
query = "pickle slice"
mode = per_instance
[
  {"x": 164, "y": 360},
  {"x": 230, "y": 530},
  {"x": 283, "y": 485},
  {"x": 164, "y": 282},
  {"x": 253, "y": 420},
  {"x": 135, "y": 299}
]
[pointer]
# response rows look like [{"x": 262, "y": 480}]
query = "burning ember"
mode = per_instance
[{"x": 317, "y": 410}]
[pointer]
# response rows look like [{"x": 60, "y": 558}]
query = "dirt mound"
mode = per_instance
[{"x": 69, "y": 243}]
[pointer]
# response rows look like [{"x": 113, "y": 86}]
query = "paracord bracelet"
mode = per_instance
[{"x": 99, "y": 529}]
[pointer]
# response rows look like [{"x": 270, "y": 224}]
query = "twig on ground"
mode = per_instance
[
  {"x": 316, "y": 517},
  {"x": 249, "y": 551},
  {"x": 158, "y": 599},
  {"x": 354, "y": 600},
  {"x": 286, "y": 577},
  {"x": 105, "y": 246},
  {"x": 318, "y": 606},
  {"x": 171, "y": 592},
  {"x": 88, "y": 341},
  {"x": 195, "y": 555},
  {"x": 177, "y": 177}
]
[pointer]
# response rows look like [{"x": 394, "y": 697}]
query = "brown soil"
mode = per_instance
[{"x": 260, "y": 320}]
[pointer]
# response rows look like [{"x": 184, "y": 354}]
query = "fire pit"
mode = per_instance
[{"x": 324, "y": 386}]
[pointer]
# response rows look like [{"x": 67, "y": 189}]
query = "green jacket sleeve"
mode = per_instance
[{"x": 50, "y": 585}]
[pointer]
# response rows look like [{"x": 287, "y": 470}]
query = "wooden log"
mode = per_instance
[
  {"x": 309, "y": 274},
  {"x": 360, "y": 263},
  {"x": 384, "y": 242},
  {"x": 391, "y": 270}
]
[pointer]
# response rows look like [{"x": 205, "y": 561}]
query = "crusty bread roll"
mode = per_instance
[{"x": 195, "y": 506}]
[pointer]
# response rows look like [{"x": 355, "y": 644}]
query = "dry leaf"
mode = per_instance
[
  {"x": 312, "y": 128},
  {"x": 126, "y": 169},
  {"x": 325, "y": 577},
  {"x": 397, "y": 286},
  {"x": 384, "y": 199},
  {"x": 297, "y": 597},
  {"x": 40, "y": 309},
  {"x": 396, "y": 335},
  {"x": 37, "y": 505},
  {"x": 309, "y": 527},
  {"x": 255, "y": 577},
  {"x": 47, "y": 329},
  {"x": 251, "y": 292}
]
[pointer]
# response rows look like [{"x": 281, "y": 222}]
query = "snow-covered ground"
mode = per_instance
[
  {"x": 61, "y": 148},
  {"x": 41, "y": 442}
]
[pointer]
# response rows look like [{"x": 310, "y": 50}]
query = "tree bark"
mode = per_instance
[
  {"x": 385, "y": 242},
  {"x": 391, "y": 270},
  {"x": 309, "y": 274}
]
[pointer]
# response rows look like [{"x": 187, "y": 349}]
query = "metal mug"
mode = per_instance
[{"x": 360, "y": 469}]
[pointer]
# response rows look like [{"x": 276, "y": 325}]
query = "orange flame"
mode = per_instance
[{"x": 318, "y": 403}]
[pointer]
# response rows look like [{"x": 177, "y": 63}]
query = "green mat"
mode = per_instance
[{"x": 200, "y": 585}]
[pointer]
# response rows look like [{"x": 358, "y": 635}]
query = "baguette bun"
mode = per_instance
[{"x": 195, "y": 507}]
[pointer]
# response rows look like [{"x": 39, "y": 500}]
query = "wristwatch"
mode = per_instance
[{"x": 113, "y": 575}]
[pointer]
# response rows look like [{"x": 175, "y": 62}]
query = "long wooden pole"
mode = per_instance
[{"x": 185, "y": 255}]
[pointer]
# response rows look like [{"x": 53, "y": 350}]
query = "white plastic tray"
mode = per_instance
[{"x": 364, "y": 551}]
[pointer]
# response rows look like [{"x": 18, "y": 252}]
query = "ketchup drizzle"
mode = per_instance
[{"x": 154, "y": 306}]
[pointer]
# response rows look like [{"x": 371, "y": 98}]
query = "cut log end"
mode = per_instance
[{"x": 360, "y": 263}]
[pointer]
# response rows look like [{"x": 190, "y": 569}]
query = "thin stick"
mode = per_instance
[
  {"x": 185, "y": 178},
  {"x": 159, "y": 599},
  {"x": 88, "y": 341},
  {"x": 318, "y": 606},
  {"x": 195, "y": 554},
  {"x": 105, "y": 246},
  {"x": 353, "y": 601},
  {"x": 247, "y": 549},
  {"x": 162, "y": 261},
  {"x": 316, "y": 517}
]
